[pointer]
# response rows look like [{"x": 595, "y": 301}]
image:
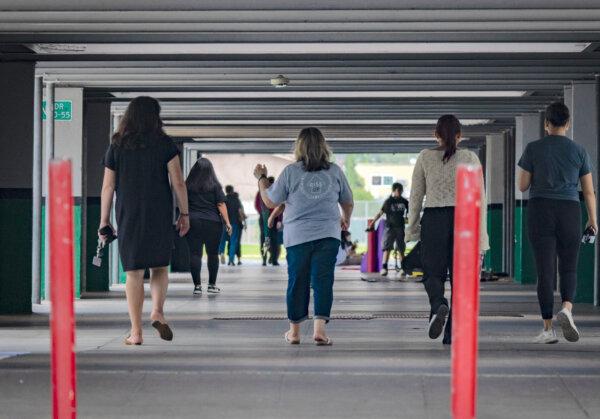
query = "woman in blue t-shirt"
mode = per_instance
[
  {"x": 313, "y": 190},
  {"x": 551, "y": 169}
]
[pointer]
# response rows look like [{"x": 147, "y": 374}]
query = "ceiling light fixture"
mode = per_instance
[
  {"x": 357, "y": 94},
  {"x": 180, "y": 122},
  {"x": 250, "y": 48}
]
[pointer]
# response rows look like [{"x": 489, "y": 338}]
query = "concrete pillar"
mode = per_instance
[
  {"x": 528, "y": 129},
  {"x": 583, "y": 100},
  {"x": 68, "y": 143},
  {"x": 16, "y": 143},
  {"x": 495, "y": 179},
  {"x": 97, "y": 131}
]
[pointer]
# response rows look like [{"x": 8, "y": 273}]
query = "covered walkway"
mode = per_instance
[{"x": 229, "y": 360}]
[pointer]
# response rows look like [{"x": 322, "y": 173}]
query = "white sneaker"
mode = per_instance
[
  {"x": 383, "y": 272},
  {"x": 547, "y": 336},
  {"x": 565, "y": 319},
  {"x": 222, "y": 257}
]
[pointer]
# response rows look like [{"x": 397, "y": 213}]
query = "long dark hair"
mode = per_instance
[
  {"x": 141, "y": 119},
  {"x": 447, "y": 129},
  {"x": 202, "y": 177},
  {"x": 312, "y": 150}
]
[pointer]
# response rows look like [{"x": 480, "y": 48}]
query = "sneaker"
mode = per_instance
[
  {"x": 383, "y": 272},
  {"x": 239, "y": 262},
  {"x": 222, "y": 259},
  {"x": 437, "y": 322},
  {"x": 565, "y": 319},
  {"x": 197, "y": 290},
  {"x": 547, "y": 336},
  {"x": 213, "y": 289}
]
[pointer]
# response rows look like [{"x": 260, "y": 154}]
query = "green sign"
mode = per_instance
[{"x": 63, "y": 110}]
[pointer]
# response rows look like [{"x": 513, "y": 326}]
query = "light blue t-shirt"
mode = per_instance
[{"x": 311, "y": 202}]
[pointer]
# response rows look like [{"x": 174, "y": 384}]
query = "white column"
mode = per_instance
[
  {"x": 48, "y": 156},
  {"x": 528, "y": 129}
]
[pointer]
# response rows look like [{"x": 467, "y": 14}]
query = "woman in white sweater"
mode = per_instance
[{"x": 434, "y": 179}]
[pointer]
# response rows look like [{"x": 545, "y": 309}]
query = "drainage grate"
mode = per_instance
[{"x": 353, "y": 316}]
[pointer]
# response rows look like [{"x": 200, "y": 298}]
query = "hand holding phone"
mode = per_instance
[{"x": 589, "y": 236}]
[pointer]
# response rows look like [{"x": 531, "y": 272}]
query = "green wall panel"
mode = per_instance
[
  {"x": 525, "y": 272},
  {"x": 493, "y": 258},
  {"x": 15, "y": 255},
  {"x": 76, "y": 250},
  {"x": 96, "y": 277},
  {"x": 585, "y": 268}
]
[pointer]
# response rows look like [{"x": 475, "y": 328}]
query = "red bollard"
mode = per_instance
[
  {"x": 465, "y": 290},
  {"x": 62, "y": 319},
  {"x": 372, "y": 250}
]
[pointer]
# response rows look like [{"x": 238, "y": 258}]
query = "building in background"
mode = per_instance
[{"x": 379, "y": 177}]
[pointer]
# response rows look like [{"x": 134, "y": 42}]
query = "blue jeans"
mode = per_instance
[
  {"x": 234, "y": 241},
  {"x": 311, "y": 264}
]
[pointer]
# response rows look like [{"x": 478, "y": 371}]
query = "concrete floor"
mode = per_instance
[{"x": 225, "y": 363}]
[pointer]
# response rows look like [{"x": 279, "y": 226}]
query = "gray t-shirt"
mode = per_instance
[
  {"x": 556, "y": 164},
  {"x": 311, "y": 202}
]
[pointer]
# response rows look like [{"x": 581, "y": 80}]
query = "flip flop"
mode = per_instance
[
  {"x": 163, "y": 329},
  {"x": 326, "y": 342},
  {"x": 128, "y": 342},
  {"x": 291, "y": 341}
]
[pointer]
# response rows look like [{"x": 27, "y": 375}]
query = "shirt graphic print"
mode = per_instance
[{"x": 315, "y": 185}]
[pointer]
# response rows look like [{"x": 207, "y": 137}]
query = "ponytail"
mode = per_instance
[{"x": 447, "y": 129}]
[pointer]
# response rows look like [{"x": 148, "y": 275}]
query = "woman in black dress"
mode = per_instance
[
  {"x": 207, "y": 215},
  {"x": 138, "y": 164}
]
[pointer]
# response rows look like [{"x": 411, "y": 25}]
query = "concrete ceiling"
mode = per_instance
[{"x": 212, "y": 60}]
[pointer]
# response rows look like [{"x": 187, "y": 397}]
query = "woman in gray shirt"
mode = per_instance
[{"x": 313, "y": 189}]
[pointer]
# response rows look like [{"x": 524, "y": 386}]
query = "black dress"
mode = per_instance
[{"x": 144, "y": 207}]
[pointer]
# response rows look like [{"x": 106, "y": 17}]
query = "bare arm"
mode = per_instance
[
  {"x": 587, "y": 186},
  {"x": 524, "y": 180},
  {"x": 276, "y": 213},
  {"x": 347, "y": 208},
  {"x": 374, "y": 220},
  {"x": 178, "y": 185},
  {"x": 223, "y": 211},
  {"x": 263, "y": 185},
  {"x": 106, "y": 196}
]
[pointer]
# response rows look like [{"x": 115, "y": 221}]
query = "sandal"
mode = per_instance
[
  {"x": 323, "y": 342},
  {"x": 291, "y": 341},
  {"x": 128, "y": 342},
  {"x": 163, "y": 329}
]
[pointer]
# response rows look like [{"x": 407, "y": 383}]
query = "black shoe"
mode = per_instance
[
  {"x": 275, "y": 263},
  {"x": 230, "y": 264},
  {"x": 239, "y": 262},
  {"x": 264, "y": 264},
  {"x": 197, "y": 289},
  {"x": 447, "y": 340},
  {"x": 437, "y": 322}
]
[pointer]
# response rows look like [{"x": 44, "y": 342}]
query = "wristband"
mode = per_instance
[
  {"x": 263, "y": 176},
  {"x": 184, "y": 214}
]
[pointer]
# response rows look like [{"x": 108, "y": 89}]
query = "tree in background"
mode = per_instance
[{"x": 355, "y": 180}]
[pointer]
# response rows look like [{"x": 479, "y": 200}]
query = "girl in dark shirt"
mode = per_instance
[{"x": 207, "y": 214}]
